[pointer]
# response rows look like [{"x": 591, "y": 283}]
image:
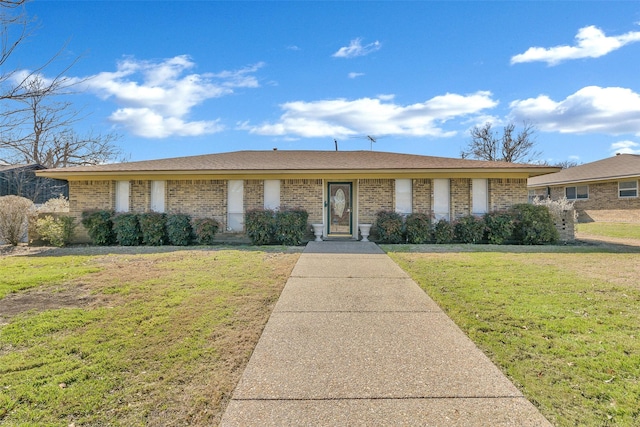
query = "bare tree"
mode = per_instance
[
  {"x": 566, "y": 164},
  {"x": 488, "y": 144},
  {"x": 41, "y": 130},
  {"x": 36, "y": 126}
]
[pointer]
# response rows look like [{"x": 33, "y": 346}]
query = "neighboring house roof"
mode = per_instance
[
  {"x": 295, "y": 162},
  {"x": 621, "y": 166},
  {"x": 33, "y": 166}
]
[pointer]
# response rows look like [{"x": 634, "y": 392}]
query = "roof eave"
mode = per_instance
[{"x": 75, "y": 175}]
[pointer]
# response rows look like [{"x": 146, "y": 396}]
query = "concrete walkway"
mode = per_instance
[{"x": 353, "y": 341}]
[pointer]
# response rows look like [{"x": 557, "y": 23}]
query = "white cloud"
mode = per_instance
[
  {"x": 342, "y": 117},
  {"x": 592, "y": 109},
  {"x": 625, "y": 147},
  {"x": 356, "y": 48},
  {"x": 353, "y": 75},
  {"x": 591, "y": 42},
  {"x": 156, "y": 97}
]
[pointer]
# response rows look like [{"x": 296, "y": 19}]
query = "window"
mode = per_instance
[
  {"x": 404, "y": 203},
  {"x": 235, "y": 205},
  {"x": 628, "y": 189},
  {"x": 271, "y": 193},
  {"x": 157, "y": 196},
  {"x": 122, "y": 196},
  {"x": 480, "y": 196},
  {"x": 577, "y": 193},
  {"x": 441, "y": 199}
]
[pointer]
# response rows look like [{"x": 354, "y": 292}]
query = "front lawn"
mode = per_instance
[
  {"x": 130, "y": 339},
  {"x": 618, "y": 230},
  {"x": 562, "y": 322}
]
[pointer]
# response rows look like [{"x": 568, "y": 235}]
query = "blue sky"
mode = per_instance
[{"x": 178, "y": 78}]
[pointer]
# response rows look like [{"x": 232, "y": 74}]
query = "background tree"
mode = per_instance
[
  {"x": 37, "y": 122},
  {"x": 40, "y": 129},
  {"x": 566, "y": 164},
  {"x": 516, "y": 147}
]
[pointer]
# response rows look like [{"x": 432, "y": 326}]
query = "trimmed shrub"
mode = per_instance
[
  {"x": 205, "y": 230},
  {"x": 388, "y": 227},
  {"x": 498, "y": 227},
  {"x": 291, "y": 226},
  {"x": 469, "y": 229},
  {"x": 99, "y": 226},
  {"x": 127, "y": 229},
  {"x": 56, "y": 230},
  {"x": 443, "y": 232},
  {"x": 418, "y": 228},
  {"x": 260, "y": 225},
  {"x": 179, "y": 230},
  {"x": 14, "y": 214},
  {"x": 153, "y": 228},
  {"x": 533, "y": 225}
]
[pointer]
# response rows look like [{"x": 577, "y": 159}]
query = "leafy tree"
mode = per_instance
[{"x": 515, "y": 147}]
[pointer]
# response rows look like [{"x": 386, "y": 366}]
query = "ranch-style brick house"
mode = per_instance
[
  {"x": 339, "y": 189},
  {"x": 603, "y": 191}
]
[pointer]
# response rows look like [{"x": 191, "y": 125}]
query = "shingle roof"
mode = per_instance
[
  {"x": 285, "y": 160},
  {"x": 617, "y": 167}
]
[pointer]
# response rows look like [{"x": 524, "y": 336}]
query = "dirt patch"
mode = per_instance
[{"x": 43, "y": 299}]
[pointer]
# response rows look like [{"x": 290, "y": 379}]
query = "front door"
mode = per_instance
[{"x": 340, "y": 215}]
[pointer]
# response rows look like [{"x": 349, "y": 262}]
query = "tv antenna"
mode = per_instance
[{"x": 370, "y": 138}]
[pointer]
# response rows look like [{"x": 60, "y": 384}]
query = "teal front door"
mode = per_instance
[{"x": 340, "y": 214}]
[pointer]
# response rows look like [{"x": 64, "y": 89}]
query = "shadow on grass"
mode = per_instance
[
  {"x": 88, "y": 250},
  {"x": 579, "y": 246}
]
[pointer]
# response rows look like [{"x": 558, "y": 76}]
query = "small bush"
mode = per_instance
[
  {"x": 205, "y": 230},
  {"x": 153, "y": 228},
  {"x": 260, "y": 225},
  {"x": 533, "y": 225},
  {"x": 443, "y": 232},
  {"x": 14, "y": 214},
  {"x": 127, "y": 229},
  {"x": 179, "y": 230},
  {"x": 388, "y": 227},
  {"x": 291, "y": 226},
  {"x": 498, "y": 227},
  {"x": 55, "y": 205},
  {"x": 99, "y": 226},
  {"x": 56, "y": 230},
  {"x": 469, "y": 229},
  {"x": 418, "y": 228}
]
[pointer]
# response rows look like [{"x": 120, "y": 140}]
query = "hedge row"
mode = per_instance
[
  {"x": 152, "y": 229},
  {"x": 522, "y": 224},
  {"x": 285, "y": 227}
]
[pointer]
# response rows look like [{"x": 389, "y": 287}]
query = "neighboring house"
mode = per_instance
[
  {"x": 605, "y": 190},
  {"x": 21, "y": 180},
  {"x": 337, "y": 188}
]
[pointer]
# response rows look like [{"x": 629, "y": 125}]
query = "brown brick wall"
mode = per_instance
[
  {"x": 422, "y": 196},
  {"x": 304, "y": 193},
  {"x": 86, "y": 196},
  {"x": 253, "y": 194},
  {"x": 375, "y": 195},
  {"x": 140, "y": 196},
  {"x": 603, "y": 204},
  {"x": 460, "y": 196},
  {"x": 198, "y": 198},
  {"x": 505, "y": 192}
]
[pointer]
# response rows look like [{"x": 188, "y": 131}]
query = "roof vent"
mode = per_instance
[{"x": 617, "y": 154}]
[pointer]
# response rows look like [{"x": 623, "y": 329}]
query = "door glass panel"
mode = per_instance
[{"x": 340, "y": 209}]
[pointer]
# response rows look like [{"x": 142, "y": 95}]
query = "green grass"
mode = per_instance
[
  {"x": 563, "y": 325},
  {"x": 163, "y": 343},
  {"x": 610, "y": 229},
  {"x": 20, "y": 273}
]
